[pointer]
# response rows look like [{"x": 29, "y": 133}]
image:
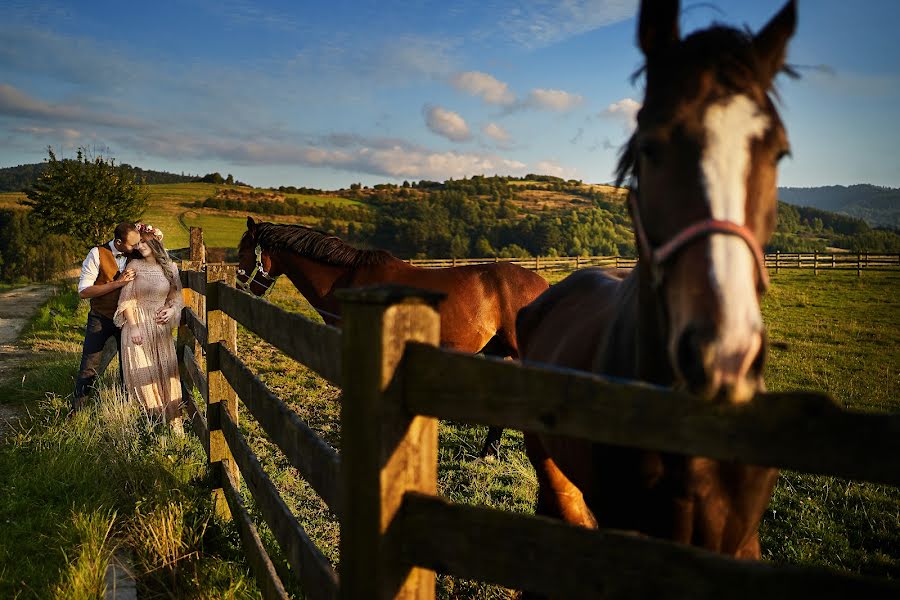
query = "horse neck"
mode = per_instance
[
  {"x": 314, "y": 279},
  {"x": 635, "y": 346}
]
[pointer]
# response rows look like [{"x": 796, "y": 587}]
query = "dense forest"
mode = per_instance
[{"x": 490, "y": 216}]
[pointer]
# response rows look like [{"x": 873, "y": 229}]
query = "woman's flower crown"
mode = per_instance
[{"x": 149, "y": 230}]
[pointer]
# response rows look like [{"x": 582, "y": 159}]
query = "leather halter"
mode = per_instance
[
  {"x": 251, "y": 278},
  {"x": 258, "y": 269},
  {"x": 657, "y": 257}
]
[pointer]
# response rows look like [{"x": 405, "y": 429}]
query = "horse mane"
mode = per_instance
[
  {"x": 727, "y": 52},
  {"x": 315, "y": 245}
]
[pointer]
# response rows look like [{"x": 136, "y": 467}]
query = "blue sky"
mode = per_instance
[{"x": 331, "y": 93}]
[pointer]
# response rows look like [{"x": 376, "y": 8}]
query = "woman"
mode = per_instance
[{"x": 149, "y": 309}]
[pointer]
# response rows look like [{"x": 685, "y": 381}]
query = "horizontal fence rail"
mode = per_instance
[
  {"x": 307, "y": 452},
  {"x": 267, "y": 578},
  {"x": 800, "y": 431},
  {"x": 315, "y": 345},
  {"x": 315, "y": 572},
  {"x": 563, "y": 561}
]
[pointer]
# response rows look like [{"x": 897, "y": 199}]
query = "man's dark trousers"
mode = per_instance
[{"x": 99, "y": 329}]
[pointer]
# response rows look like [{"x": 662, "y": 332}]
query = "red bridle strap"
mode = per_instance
[{"x": 658, "y": 256}]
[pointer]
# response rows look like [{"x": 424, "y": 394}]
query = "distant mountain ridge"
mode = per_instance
[
  {"x": 876, "y": 205},
  {"x": 18, "y": 178}
]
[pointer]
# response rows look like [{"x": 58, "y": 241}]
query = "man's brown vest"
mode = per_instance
[{"x": 109, "y": 271}]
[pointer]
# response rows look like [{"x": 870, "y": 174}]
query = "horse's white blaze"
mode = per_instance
[{"x": 730, "y": 127}]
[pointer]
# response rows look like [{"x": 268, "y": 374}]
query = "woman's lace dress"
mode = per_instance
[{"x": 150, "y": 369}]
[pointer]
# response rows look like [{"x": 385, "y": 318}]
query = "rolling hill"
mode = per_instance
[{"x": 878, "y": 206}]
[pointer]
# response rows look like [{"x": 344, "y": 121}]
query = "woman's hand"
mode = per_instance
[
  {"x": 137, "y": 338},
  {"x": 164, "y": 315}
]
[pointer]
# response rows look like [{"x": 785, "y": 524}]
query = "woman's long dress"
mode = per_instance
[{"x": 150, "y": 369}]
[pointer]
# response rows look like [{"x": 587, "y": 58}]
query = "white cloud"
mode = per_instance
[
  {"x": 15, "y": 103},
  {"x": 551, "y": 167},
  {"x": 539, "y": 23},
  {"x": 496, "y": 133},
  {"x": 446, "y": 123},
  {"x": 485, "y": 86},
  {"x": 625, "y": 111},
  {"x": 351, "y": 153},
  {"x": 67, "y": 134},
  {"x": 556, "y": 100}
]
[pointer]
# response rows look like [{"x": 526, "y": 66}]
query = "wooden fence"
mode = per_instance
[
  {"x": 396, "y": 531},
  {"x": 816, "y": 261}
]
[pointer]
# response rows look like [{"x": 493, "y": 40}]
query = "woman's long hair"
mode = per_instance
[{"x": 162, "y": 257}]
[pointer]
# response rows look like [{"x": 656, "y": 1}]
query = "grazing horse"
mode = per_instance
[
  {"x": 702, "y": 164},
  {"x": 478, "y": 314}
]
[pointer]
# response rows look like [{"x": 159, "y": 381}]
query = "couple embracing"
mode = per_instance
[{"x": 135, "y": 295}]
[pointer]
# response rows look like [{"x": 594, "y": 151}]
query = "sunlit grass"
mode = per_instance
[{"x": 73, "y": 491}]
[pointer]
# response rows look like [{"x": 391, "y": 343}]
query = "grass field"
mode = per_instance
[
  {"x": 835, "y": 332},
  {"x": 74, "y": 491}
]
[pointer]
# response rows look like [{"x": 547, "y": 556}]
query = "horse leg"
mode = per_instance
[
  {"x": 491, "y": 448},
  {"x": 557, "y": 496},
  {"x": 496, "y": 346}
]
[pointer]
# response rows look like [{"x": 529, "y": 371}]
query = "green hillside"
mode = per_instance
[{"x": 476, "y": 217}]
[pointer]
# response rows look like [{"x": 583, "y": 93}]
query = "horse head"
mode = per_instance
[
  {"x": 257, "y": 270},
  {"x": 703, "y": 161}
]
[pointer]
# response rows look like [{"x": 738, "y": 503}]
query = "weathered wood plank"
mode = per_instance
[
  {"x": 315, "y": 345},
  {"x": 196, "y": 326},
  {"x": 266, "y": 578},
  {"x": 317, "y": 576},
  {"x": 195, "y": 417},
  {"x": 563, "y": 561},
  {"x": 799, "y": 431},
  {"x": 198, "y": 378},
  {"x": 307, "y": 452},
  {"x": 385, "y": 451},
  {"x": 196, "y": 280}
]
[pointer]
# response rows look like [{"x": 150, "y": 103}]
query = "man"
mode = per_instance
[{"x": 102, "y": 280}]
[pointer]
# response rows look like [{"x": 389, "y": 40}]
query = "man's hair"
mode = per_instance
[{"x": 122, "y": 230}]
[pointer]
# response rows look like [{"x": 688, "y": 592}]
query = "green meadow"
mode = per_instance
[{"x": 833, "y": 332}]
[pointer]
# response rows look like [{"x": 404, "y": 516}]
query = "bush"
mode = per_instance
[{"x": 27, "y": 253}]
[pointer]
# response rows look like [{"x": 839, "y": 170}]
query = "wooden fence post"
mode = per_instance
[
  {"x": 198, "y": 250},
  {"x": 777, "y": 256},
  {"x": 385, "y": 451},
  {"x": 833, "y": 260},
  {"x": 858, "y": 264},
  {"x": 221, "y": 331},
  {"x": 815, "y": 263}
]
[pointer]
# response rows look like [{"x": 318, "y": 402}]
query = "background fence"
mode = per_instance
[
  {"x": 816, "y": 261},
  {"x": 396, "y": 531}
]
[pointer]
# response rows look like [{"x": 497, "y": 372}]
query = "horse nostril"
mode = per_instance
[{"x": 691, "y": 360}]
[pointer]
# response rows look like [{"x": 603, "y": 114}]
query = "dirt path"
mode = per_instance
[{"x": 16, "y": 307}]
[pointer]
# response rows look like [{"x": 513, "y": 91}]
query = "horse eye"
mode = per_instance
[{"x": 650, "y": 149}]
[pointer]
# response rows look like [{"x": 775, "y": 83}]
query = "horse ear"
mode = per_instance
[
  {"x": 251, "y": 225},
  {"x": 771, "y": 42},
  {"x": 657, "y": 25}
]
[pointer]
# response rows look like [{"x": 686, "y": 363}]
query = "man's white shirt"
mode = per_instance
[{"x": 90, "y": 268}]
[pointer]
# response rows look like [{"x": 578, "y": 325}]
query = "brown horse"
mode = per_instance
[
  {"x": 478, "y": 315},
  {"x": 703, "y": 164}
]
